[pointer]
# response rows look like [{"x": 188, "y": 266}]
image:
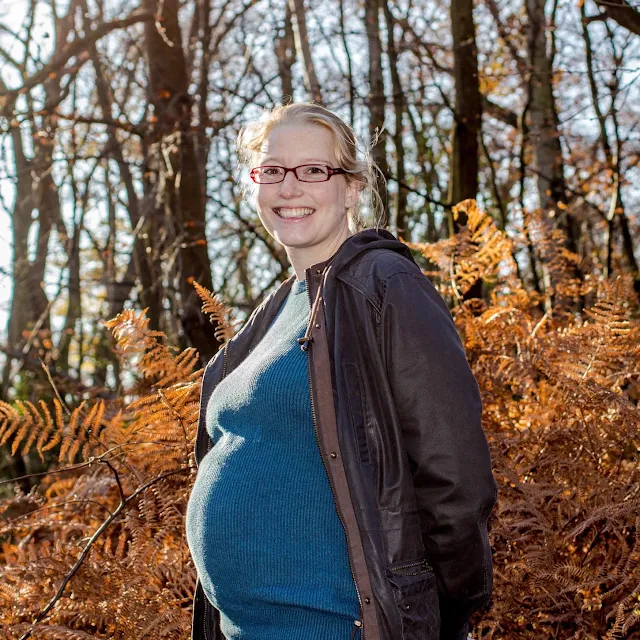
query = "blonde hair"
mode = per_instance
[{"x": 357, "y": 162}]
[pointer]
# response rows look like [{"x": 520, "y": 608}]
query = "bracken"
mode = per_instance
[{"x": 97, "y": 549}]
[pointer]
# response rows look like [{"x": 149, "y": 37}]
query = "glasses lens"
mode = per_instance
[
  {"x": 313, "y": 173},
  {"x": 268, "y": 174}
]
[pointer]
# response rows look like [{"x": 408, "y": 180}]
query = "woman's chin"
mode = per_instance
[{"x": 298, "y": 232}]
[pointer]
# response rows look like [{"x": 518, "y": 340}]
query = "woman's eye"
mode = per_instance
[
  {"x": 271, "y": 171},
  {"x": 315, "y": 169}
]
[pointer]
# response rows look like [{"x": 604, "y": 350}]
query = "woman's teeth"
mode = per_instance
[{"x": 300, "y": 212}]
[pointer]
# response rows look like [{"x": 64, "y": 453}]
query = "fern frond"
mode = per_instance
[
  {"x": 29, "y": 423},
  {"x": 72, "y": 434},
  {"x": 131, "y": 330},
  {"x": 219, "y": 313},
  {"x": 59, "y": 426},
  {"x": 475, "y": 253},
  {"x": 24, "y": 424},
  {"x": 48, "y": 432}
]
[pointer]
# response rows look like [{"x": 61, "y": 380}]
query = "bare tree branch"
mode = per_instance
[
  {"x": 623, "y": 13},
  {"x": 74, "y": 48}
]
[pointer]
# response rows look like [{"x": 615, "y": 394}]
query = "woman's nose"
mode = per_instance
[{"x": 290, "y": 186}]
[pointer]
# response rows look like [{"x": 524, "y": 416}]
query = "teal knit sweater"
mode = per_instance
[{"x": 261, "y": 521}]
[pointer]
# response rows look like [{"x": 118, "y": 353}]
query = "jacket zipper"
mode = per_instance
[
  {"x": 412, "y": 568},
  {"x": 305, "y": 347}
]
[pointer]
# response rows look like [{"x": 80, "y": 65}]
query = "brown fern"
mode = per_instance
[
  {"x": 219, "y": 314},
  {"x": 560, "y": 395}
]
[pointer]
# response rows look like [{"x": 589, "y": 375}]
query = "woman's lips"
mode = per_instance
[{"x": 293, "y": 213}]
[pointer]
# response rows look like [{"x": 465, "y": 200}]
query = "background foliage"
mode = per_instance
[
  {"x": 119, "y": 179},
  {"x": 98, "y": 545}
]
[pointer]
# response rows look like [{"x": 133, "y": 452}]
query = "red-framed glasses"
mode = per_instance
[{"x": 271, "y": 174}]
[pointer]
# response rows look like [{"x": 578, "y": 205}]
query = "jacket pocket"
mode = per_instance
[
  {"x": 416, "y": 596},
  {"x": 357, "y": 410}
]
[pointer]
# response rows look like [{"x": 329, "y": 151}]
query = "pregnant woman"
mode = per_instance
[{"x": 344, "y": 481}]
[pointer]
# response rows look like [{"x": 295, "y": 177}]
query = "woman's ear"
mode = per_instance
[{"x": 351, "y": 194}]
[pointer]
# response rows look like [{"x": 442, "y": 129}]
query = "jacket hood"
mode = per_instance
[{"x": 367, "y": 240}]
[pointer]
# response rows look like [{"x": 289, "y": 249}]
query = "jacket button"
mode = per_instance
[
  {"x": 318, "y": 271},
  {"x": 317, "y": 326},
  {"x": 334, "y": 454},
  {"x": 357, "y": 623},
  {"x": 407, "y": 607},
  {"x": 367, "y": 600}
]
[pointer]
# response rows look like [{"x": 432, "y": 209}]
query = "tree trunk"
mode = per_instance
[
  {"x": 20, "y": 312},
  {"x": 543, "y": 133},
  {"x": 467, "y": 116},
  {"x": 285, "y": 49},
  {"x": 424, "y": 153},
  {"x": 298, "y": 14},
  {"x": 179, "y": 191},
  {"x": 74, "y": 307},
  {"x": 400, "y": 199},
  {"x": 468, "y": 105},
  {"x": 376, "y": 99},
  {"x": 347, "y": 53}
]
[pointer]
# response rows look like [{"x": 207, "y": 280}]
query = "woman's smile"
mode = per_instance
[{"x": 293, "y": 213}]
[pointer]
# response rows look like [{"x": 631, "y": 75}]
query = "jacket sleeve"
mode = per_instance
[{"x": 438, "y": 404}]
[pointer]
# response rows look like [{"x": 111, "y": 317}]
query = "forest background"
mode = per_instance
[{"x": 120, "y": 190}]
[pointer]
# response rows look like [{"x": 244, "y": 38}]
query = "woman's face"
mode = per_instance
[{"x": 324, "y": 225}]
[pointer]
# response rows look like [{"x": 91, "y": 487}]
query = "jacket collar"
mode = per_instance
[{"x": 353, "y": 246}]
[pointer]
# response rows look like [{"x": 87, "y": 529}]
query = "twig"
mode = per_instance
[{"x": 55, "y": 389}]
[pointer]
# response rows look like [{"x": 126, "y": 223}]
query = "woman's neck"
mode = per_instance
[{"x": 301, "y": 258}]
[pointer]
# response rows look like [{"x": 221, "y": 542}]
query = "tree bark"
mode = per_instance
[
  {"x": 304, "y": 49},
  {"x": 468, "y": 105},
  {"x": 179, "y": 191},
  {"x": 400, "y": 198},
  {"x": 377, "y": 99},
  {"x": 543, "y": 132}
]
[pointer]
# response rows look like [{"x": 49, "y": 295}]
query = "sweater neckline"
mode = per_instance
[{"x": 298, "y": 286}]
